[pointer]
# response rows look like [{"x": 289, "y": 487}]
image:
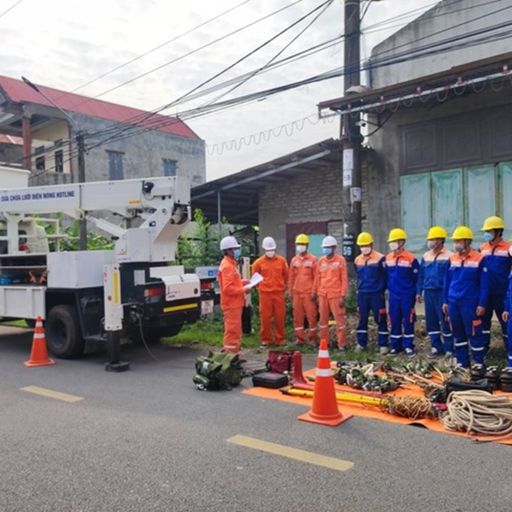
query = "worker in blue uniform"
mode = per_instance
[
  {"x": 506, "y": 317},
  {"x": 371, "y": 285},
  {"x": 402, "y": 277},
  {"x": 433, "y": 267},
  {"x": 466, "y": 291},
  {"x": 499, "y": 265}
]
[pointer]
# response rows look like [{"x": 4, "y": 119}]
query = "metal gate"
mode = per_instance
[{"x": 458, "y": 196}]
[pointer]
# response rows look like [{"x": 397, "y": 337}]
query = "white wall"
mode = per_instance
[{"x": 437, "y": 24}]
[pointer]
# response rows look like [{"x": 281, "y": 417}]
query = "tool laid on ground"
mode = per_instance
[
  {"x": 218, "y": 371},
  {"x": 364, "y": 377},
  {"x": 478, "y": 412},
  {"x": 411, "y": 407},
  {"x": 270, "y": 380}
]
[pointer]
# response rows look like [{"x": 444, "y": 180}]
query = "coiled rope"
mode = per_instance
[{"x": 478, "y": 412}]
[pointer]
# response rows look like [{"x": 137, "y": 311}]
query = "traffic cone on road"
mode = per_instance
[
  {"x": 39, "y": 352},
  {"x": 325, "y": 408}
]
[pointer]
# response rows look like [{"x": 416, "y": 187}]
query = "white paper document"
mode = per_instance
[{"x": 255, "y": 279}]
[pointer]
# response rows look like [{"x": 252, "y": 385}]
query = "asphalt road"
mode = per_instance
[{"x": 146, "y": 440}]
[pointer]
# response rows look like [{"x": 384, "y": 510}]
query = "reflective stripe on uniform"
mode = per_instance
[
  {"x": 479, "y": 349},
  {"x": 461, "y": 344}
]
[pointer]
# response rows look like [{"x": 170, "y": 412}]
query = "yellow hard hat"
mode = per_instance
[
  {"x": 436, "y": 232},
  {"x": 302, "y": 239},
  {"x": 462, "y": 233},
  {"x": 397, "y": 234},
  {"x": 493, "y": 222},
  {"x": 364, "y": 238}
]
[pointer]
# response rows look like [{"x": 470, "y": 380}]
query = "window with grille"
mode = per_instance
[{"x": 169, "y": 167}]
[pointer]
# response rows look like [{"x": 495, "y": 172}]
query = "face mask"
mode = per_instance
[
  {"x": 300, "y": 249},
  {"x": 237, "y": 253},
  {"x": 366, "y": 250},
  {"x": 270, "y": 254},
  {"x": 458, "y": 247},
  {"x": 393, "y": 246},
  {"x": 488, "y": 236},
  {"x": 431, "y": 244},
  {"x": 327, "y": 250}
]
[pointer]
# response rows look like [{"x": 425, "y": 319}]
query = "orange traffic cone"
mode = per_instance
[
  {"x": 39, "y": 353},
  {"x": 325, "y": 408}
]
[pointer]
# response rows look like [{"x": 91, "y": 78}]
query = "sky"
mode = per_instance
[{"x": 68, "y": 44}]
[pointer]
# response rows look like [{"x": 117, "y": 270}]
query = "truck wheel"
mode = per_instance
[{"x": 63, "y": 332}]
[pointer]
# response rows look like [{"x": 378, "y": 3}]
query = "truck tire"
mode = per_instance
[{"x": 63, "y": 332}]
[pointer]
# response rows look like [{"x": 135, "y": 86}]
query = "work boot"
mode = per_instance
[
  {"x": 409, "y": 352},
  {"x": 434, "y": 353},
  {"x": 384, "y": 351},
  {"x": 359, "y": 348}
]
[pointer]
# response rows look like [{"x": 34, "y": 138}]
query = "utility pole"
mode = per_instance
[
  {"x": 81, "y": 178},
  {"x": 350, "y": 133},
  {"x": 79, "y": 139}
]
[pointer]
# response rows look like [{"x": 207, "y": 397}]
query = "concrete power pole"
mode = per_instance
[{"x": 350, "y": 133}]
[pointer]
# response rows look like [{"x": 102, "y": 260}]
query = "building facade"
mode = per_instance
[
  {"x": 440, "y": 98},
  {"x": 116, "y": 147}
]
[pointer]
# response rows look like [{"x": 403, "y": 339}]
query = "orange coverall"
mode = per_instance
[
  {"x": 331, "y": 284},
  {"x": 232, "y": 301},
  {"x": 301, "y": 283},
  {"x": 271, "y": 290}
]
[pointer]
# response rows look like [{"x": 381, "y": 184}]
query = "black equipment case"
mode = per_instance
[{"x": 270, "y": 380}]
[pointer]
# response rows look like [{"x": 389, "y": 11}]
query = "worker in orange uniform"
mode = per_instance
[
  {"x": 232, "y": 293},
  {"x": 300, "y": 287},
  {"x": 274, "y": 270},
  {"x": 331, "y": 286}
]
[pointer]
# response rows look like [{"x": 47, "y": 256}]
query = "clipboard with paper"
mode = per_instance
[{"x": 256, "y": 279}]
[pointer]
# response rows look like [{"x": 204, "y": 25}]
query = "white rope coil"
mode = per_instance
[{"x": 478, "y": 412}]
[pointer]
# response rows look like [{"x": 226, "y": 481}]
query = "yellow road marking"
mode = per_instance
[
  {"x": 51, "y": 394},
  {"x": 292, "y": 453}
]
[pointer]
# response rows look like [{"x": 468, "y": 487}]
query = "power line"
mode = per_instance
[
  {"x": 141, "y": 117},
  {"x": 179, "y": 99},
  {"x": 161, "y": 45},
  {"x": 428, "y": 36},
  {"x": 223, "y": 71},
  {"x": 195, "y": 50},
  {"x": 9, "y": 9},
  {"x": 337, "y": 72},
  {"x": 323, "y": 8}
]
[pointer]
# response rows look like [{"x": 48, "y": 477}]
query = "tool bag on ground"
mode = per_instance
[
  {"x": 218, "y": 371},
  {"x": 279, "y": 361}
]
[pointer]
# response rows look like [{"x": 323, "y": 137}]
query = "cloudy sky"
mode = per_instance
[{"x": 68, "y": 43}]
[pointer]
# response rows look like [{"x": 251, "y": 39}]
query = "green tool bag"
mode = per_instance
[{"x": 218, "y": 371}]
